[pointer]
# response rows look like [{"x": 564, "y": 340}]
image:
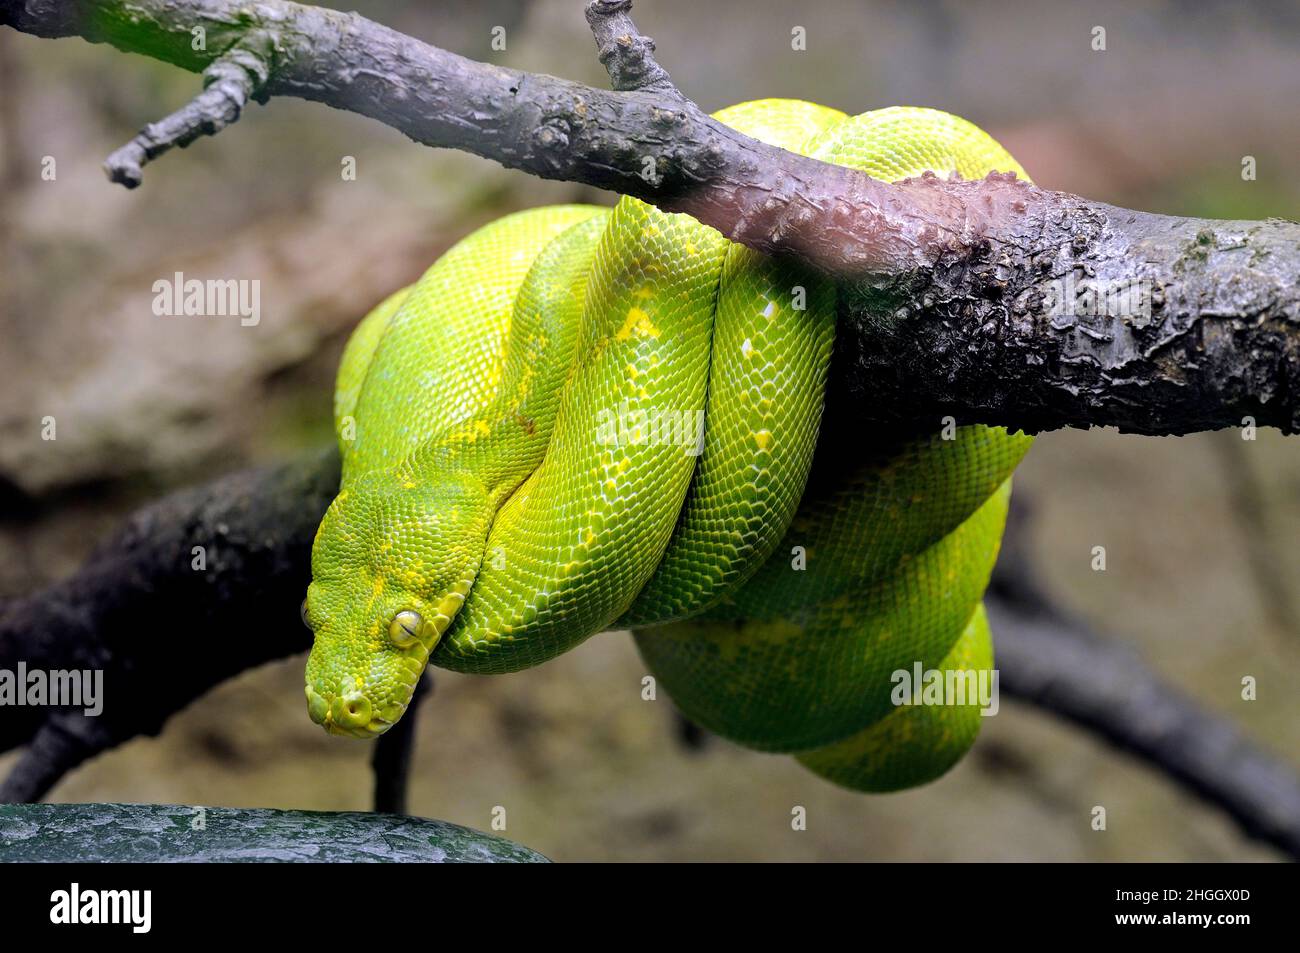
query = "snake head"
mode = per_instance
[{"x": 392, "y": 563}]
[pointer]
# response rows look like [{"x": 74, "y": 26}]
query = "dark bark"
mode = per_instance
[
  {"x": 162, "y": 631},
  {"x": 166, "y": 634},
  {"x": 955, "y": 280},
  {"x": 1202, "y": 331},
  {"x": 391, "y": 759}
]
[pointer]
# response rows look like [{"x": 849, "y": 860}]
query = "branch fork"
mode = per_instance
[{"x": 626, "y": 54}]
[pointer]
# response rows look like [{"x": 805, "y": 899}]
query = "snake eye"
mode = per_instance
[
  {"x": 404, "y": 630},
  {"x": 302, "y": 613}
]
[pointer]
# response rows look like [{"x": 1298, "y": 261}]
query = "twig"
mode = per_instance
[
  {"x": 391, "y": 760},
  {"x": 229, "y": 82},
  {"x": 627, "y": 55}
]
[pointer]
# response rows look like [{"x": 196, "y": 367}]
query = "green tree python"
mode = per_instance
[{"x": 582, "y": 419}]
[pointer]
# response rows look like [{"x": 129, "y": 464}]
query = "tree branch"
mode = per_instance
[
  {"x": 62, "y": 742},
  {"x": 627, "y": 55},
  {"x": 229, "y": 82},
  {"x": 165, "y": 634},
  {"x": 1049, "y": 659},
  {"x": 1059, "y": 665},
  {"x": 987, "y": 300},
  {"x": 391, "y": 759},
  {"x": 991, "y": 301},
  {"x": 162, "y": 631}
]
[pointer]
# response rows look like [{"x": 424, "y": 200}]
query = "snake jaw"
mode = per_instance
[{"x": 346, "y": 708}]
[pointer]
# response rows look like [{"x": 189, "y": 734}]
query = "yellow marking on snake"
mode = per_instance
[{"x": 637, "y": 322}]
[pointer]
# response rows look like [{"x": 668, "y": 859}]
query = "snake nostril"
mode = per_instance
[{"x": 351, "y": 710}]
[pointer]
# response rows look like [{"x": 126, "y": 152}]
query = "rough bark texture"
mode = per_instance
[
  {"x": 973, "y": 297},
  {"x": 163, "y": 833},
  {"x": 1082, "y": 314},
  {"x": 162, "y": 631}
]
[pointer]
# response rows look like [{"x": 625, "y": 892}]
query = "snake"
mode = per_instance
[{"x": 583, "y": 419}]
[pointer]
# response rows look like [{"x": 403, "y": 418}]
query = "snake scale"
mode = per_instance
[{"x": 582, "y": 419}]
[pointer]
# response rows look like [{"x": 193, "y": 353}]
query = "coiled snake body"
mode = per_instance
[{"x": 581, "y": 419}]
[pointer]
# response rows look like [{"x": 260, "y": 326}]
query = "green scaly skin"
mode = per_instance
[{"x": 580, "y": 420}]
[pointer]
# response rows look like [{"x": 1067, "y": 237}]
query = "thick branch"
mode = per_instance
[
  {"x": 637, "y": 141},
  {"x": 166, "y": 633},
  {"x": 975, "y": 299},
  {"x": 1081, "y": 314}
]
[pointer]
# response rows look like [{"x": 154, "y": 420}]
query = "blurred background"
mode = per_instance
[{"x": 1199, "y": 531}]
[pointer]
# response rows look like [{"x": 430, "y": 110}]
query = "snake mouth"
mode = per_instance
[{"x": 350, "y": 714}]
